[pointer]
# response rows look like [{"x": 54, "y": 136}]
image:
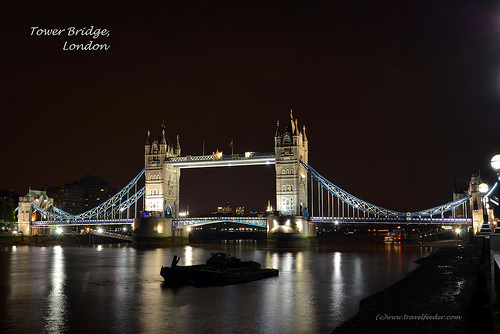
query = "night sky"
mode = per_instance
[{"x": 397, "y": 97}]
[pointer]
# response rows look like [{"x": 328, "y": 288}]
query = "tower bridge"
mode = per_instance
[{"x": 303, "y": 196}]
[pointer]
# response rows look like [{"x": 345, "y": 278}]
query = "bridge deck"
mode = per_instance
[
  {"x": 89, "y": 222},
  {"x": 253, "y": 221},
  {"x": 259, "y": 221},
  {"x": 392, "y": 220}
]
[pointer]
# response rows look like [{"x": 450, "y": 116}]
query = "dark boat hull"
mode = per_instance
[{"x": 206, "y": 275}]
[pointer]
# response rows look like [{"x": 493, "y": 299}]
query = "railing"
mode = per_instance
[{"x": 113, "y": 235}]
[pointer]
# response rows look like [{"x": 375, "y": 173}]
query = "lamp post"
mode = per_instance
[
  {"x": 483, "y": 189},
  {"x": 495, "y": 164},
  {"x": 494, "y": 242}
]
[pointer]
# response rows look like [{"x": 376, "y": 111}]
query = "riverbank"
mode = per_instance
[{"x": 443, "y": 295}]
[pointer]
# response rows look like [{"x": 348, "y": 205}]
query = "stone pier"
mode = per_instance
[
  {"x": 157, "y": 232},
  {"x": 290, "y": 232}
]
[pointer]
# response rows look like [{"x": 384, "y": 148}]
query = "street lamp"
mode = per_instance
[
  {"x": 495, "y": 164},
  {"x": 483, "y": 189}
]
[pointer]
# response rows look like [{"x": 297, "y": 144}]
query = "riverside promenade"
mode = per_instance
[{"x": 445, "y": 294}]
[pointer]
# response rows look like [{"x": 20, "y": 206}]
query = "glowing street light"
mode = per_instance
[
  {"x": 483, "y": 189},
  {"x": 495, "y": 163}
]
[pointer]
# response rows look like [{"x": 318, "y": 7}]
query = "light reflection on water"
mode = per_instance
[
  {"x": 118, "y": 289},
  {"x": 55, "y": 320}
]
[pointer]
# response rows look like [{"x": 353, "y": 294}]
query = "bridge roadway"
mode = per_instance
[
  {"x": 178, "y": 223},
  {"x": 393, "y": 220}
]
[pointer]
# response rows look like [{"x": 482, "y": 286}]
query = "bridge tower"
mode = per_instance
[
  {"x": 290, "y": 148},
  {"x": 161, "y": 197},
  {"x": 162, "y": 181},
  {"x": 25, "y": 213},
  {"x": 476, "y": 204},
  {"x": 290, "y": 222}
]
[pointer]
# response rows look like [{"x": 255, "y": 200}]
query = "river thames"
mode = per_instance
[{"x": 118, "y": 289}]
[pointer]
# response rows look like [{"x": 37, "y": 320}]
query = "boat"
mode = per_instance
[
  {"x": 219, "y": 269},
  {"x": 389, "y": 237},
  {"x": 401, "y": 236}
]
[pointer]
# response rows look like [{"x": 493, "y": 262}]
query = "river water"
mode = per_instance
[{"x": 118, "y": 289}]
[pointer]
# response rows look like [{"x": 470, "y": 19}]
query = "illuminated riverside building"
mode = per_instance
[{"x": 81, "y": 195}]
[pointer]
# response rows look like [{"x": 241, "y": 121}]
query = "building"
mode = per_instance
[
  {"x": 10, "y": 196},
  {"x": 82, "y": 195}
]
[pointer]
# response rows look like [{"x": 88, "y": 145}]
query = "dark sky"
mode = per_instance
[{"x": 397, "y": 97}]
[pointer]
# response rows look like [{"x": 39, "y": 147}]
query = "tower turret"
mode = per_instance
[
  {"x": 178, "y": 148},
  {"x": 147, "y": 146}
]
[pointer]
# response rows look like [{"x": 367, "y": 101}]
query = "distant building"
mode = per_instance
[
  {"x": 81, "y": 195},
  {"x": 10, "y": 196},
  {"x": 240, "y": 211},
  {"x": 223, "y": 210}
]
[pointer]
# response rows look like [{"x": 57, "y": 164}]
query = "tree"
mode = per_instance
[{"x": 6, "y": 212}]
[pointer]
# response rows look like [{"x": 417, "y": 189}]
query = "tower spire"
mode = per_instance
[
  {"x": 178, "y": 147},
  {"x": 163, "y": 140}
]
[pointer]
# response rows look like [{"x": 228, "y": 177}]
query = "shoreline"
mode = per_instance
[{"x": 437, "y": 297}]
